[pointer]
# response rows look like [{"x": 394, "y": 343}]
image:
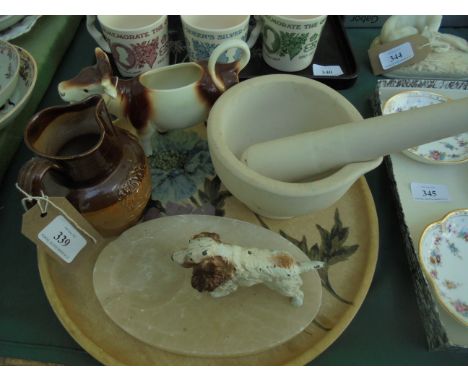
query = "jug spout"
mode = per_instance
[{"x": 78, "y": 138}]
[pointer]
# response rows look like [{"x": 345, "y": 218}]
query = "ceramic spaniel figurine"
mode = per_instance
[
  {"x": 172, "y": 97},
  {"x": 220, "y": 268}
]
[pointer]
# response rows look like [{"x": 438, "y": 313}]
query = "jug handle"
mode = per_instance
[
  {"x": 219, "y": 50},
  {"x": 32, "y": 173}
]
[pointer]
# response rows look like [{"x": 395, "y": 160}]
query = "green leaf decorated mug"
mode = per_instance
[{"x": 290, "y": 42}]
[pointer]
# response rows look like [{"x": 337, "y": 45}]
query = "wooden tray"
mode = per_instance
[{"x": 345, "y": 235}]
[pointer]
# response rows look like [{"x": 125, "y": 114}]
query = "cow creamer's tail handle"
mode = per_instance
[
  {"x": 98, "y": 37},
  {"x": 219, "y": 50}
]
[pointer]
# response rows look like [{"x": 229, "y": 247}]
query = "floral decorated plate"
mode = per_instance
[
  {"x": 22, "y": 26},
  {"x": 451, "y": 150},
  {"x": 24, "y": 88},
  {"x": 443, "y": 254}
]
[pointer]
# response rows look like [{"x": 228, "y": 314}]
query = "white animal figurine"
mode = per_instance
[
  {"x": 220, "y": 268},
  {"x": 448, "y": 55},
  {"x": 397, "y": 27}
]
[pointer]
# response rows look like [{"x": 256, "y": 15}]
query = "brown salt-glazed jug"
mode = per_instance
[{"x": 100, "y": 168}]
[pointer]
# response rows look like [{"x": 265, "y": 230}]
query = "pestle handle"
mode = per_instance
[{"x": 303, "y": 155}]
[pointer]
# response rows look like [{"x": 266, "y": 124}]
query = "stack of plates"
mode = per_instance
[
  {"x": 18, "y": 74},
  {"x": 14, "y": 26}
]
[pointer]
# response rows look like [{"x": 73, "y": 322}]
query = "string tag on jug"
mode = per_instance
[{"x": 58, "y": 229}]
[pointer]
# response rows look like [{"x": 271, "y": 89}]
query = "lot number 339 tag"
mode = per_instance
[{"x": 62, "y": 238}]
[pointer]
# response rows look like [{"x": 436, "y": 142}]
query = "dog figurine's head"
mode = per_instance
[
  {"x": 210, "y": 269},
  {"x": 200, "y": 246}
]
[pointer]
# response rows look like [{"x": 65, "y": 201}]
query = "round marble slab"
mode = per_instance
[{"x": 151, "y": 297}]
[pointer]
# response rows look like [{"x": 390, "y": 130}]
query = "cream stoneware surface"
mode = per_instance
[
  {"x": 443, "y": 254},
  {"x": 151, "y": 297},
  {"x": 297, "y": 157},
  {"x": 9, "y": 70},
  {"x": 271, "y": 107},
  {"x": 450, "y": 150},
  {"x": 26, "y": 82}
]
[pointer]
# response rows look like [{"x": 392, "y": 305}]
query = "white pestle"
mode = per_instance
[{"x": 309, "y": 154}]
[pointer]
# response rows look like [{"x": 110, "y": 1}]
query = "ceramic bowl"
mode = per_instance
[
  {"x": 9, "y": 70},
  {"x": 270, "y": 107},
  {"x": 443, "y": 254},
  {"x": 26, "y": 82},
  {"x": 451, "y": 150}
]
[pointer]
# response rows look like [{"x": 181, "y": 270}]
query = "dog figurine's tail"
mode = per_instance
[{"x": 306, "y": 266}]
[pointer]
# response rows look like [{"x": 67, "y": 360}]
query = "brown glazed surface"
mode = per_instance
[
  {"x": 137, "y": 105},
  {"x": 101, "y": 169},
  {"x": 206, "y": 89}
]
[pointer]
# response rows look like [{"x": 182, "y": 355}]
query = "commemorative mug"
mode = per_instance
[
  {"x": 204, "y": 33},
  {"x": 289, "y": 42},
  {"x": 137, "y": 43}
]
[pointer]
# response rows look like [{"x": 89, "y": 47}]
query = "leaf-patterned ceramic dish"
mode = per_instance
[
  {"x": 443, "y": 254},
  {"x": 24, "y": 88},
  {"x": 451, "y": 150}
]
